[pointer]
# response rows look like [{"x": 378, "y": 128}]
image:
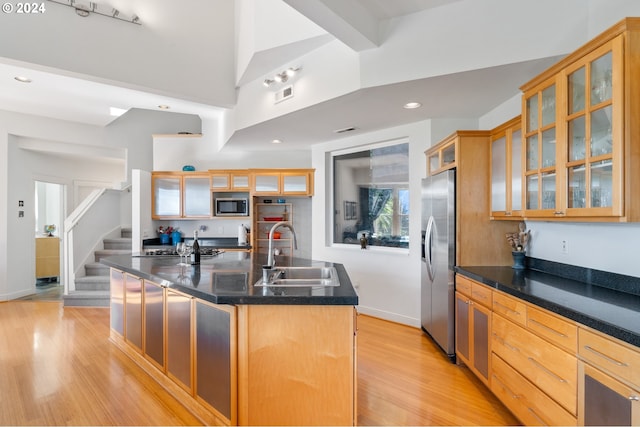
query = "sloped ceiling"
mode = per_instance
[{"x": 183, "y": 55}]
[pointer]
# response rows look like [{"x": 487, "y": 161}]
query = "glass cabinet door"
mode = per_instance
[
  {"x": 292, "y": 184},
  {"x": 592, "y": 119},
  {"x": 197, "y": 197},
  {"x": 166, "y": 196},
  {"x": 267, "y": 183},
  {"x": 541, "y": 150},
  {"x": 506, "y": 170}
]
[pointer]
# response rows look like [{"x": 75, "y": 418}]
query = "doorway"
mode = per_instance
[{"x": 49, "y": 224}]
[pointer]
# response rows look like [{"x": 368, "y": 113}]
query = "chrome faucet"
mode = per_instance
[{"x": 271, "y": 262}]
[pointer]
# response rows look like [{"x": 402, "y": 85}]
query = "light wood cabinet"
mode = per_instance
[
  {"x": 614, "y": 357},
  {"x": 296, "y": 365},
  {"x": 479, "y": 241},
  {"x": 551, "y": 369},
  {"x": 442, "y": 157},
  {"x": 506, "y": 170},
  {"x": 47, "y": 257},
  {"x": 284, "y": 182},
  {"x": 266, "y": 215},
  {"x": 230, "y": 180},
  {"x": 473, "y": 326},
  {"x": 240, "y": 365},
  {"x": 511, "y": 308},
  {"x": 580, "y": 132},
  {"x": 532, "y": 365},
  {"x": 178, "y": 195},
  {"x": 526, "y": 401}
]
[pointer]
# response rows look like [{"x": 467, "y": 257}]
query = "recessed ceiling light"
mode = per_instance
[
  {"x": 412, "y": 105},
  {"x": 23, "y": 79},
  {"x": 276, "y": 141},
  {"x": 163, "y": 107}
]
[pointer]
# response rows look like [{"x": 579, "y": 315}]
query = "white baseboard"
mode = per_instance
[{"x": 386, "y": 315}]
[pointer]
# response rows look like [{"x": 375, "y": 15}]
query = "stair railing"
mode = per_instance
[{"x": 84, "y": 229}]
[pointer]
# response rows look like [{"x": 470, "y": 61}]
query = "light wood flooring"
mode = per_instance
[{"x": 58, "y": 367}]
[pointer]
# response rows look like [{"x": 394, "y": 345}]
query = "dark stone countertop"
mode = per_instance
[
  {"x": 229, "y": 278},
  {"x": 209, "y": 242},
  {"x": 606, "y": 309}
]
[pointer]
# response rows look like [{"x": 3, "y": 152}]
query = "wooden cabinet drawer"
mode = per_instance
[
  {"x": 553, "y": 370},
  {"x": 463, "y": 285},
  {"x": 559, "y": 331},
  {"x": 618, "y": 359},
  {"x": 526, "y": 401},
  {"x": 511, "y": 308},
  {"x": 481, "y": 294}
]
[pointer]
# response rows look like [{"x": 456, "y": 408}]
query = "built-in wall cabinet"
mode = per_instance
[
  {"x": 547, "y": 369},
  {"x": 191, "y": 195},
  {"x": 284, "y": 182},
  {"x": 177, "y": 195},
  {"x": 506, "y": 170},
  {"x": 581, "y": 155}
]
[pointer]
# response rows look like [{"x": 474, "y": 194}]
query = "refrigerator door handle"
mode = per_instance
[{"x": 429, "y": 248}]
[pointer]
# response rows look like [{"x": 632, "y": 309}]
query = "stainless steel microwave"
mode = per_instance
[{"x": 232, "y": 206}]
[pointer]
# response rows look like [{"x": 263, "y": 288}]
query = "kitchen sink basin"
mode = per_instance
[{"x": 301, "y": 276}]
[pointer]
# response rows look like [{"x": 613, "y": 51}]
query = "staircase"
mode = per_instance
[{"x": 93, "y": 289}]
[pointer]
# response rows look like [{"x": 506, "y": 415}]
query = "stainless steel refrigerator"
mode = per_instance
[{"x": 437, "y": 309}]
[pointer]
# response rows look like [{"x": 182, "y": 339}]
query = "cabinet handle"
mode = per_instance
[
  {"x": 605, "y": 357},
  {"x": 548, "y": 328},
  {"x": 542, "y": 423},
  {"x": 505, "y": 343},
  {"x": 517, "y": 313},
  {"x": 558, "y": 213},
  {"x": 505, "y": 388},
  {"x": 636, "y": 398},
  {"x": 545, "y": 369}
]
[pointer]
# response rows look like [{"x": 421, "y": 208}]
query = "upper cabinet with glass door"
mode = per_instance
[
  {"x": 283, "y": 182},
  {"x": 542, "y": 192},
  {"x": 506, "y": 170},
  {"x": 582, "y": 160},
  {"x": 594, "y": 161},
  {"x": 181, "y": 195}
]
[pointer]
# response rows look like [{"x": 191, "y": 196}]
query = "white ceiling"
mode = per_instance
[{"x": 86, "y": 99}]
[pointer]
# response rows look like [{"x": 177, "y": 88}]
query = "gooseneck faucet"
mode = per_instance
[{"x": 271, "y": 260}]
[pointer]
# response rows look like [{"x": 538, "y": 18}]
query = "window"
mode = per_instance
[{"x": 371, "y": 196}]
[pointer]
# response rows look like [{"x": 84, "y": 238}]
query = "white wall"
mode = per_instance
[{"x": 387, "y": 280}]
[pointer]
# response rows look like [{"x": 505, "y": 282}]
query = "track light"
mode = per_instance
[
  {"x": 282, "y": 76},
  {"x": 85, "y": 10}
]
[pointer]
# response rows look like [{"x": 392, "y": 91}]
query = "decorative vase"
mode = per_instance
[
  {"x": 176, "y": 238},
  {"x": 164, "y": 239},
  {"x": 518, "y": 260}
]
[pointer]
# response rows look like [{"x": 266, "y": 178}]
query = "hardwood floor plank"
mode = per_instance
[
  {"x": 404, "y": 379},
  {"x": 58, "y": 367}
]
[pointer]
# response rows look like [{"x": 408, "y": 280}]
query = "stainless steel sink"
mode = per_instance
[{"x": 301, "y": 276}]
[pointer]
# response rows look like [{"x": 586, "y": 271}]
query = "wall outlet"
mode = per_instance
[{"x": 564, "y": 246}]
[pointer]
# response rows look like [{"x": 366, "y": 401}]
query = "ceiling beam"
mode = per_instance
[{"x": 349, "y": 22}]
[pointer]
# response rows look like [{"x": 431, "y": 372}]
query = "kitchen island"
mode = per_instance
[{"x": 235, "y": 353}]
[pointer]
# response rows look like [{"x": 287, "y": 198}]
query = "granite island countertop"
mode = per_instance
[
  {"x": 611, "y": 311},
  {"x": 229, "y": 278}
]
